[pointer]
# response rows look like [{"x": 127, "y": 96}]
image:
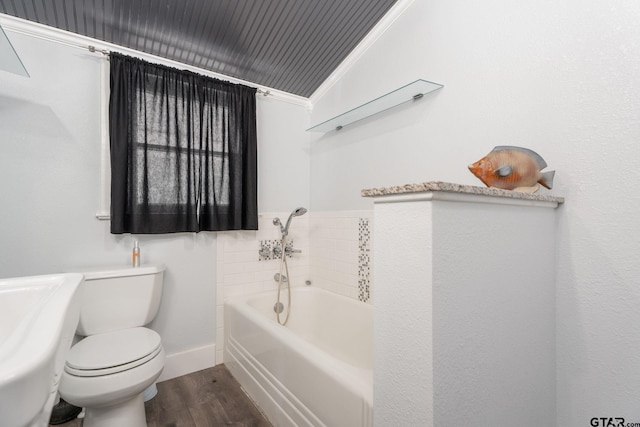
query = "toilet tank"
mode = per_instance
[{"x": 119, "y": 298}]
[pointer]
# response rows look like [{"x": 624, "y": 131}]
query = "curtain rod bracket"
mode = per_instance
[{"x": 93, "y": 49}]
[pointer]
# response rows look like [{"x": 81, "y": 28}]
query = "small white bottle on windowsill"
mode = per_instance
[{"x": 135, "y": 256}]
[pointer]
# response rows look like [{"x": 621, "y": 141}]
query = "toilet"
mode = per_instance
[{"x": 109, "y": 369}]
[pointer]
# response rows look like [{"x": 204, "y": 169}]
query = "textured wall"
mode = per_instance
[
  {"x": 494, "y": 314},
  {"x": 465, "y": 333},
  {"x": 558, "y": 77},
  {"x": 403, "y": 377}
]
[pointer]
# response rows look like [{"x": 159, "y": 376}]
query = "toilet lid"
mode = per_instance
[{"x": 113, "y": 351}]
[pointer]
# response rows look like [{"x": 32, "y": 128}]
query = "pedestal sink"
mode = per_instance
[{"x": 38, "y": 319}]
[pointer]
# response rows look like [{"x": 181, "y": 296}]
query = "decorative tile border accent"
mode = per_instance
[
  {"x": 337, "y": 263},
  {"x": 265, "y": 252},
  {"x": 364, "y": 260}
]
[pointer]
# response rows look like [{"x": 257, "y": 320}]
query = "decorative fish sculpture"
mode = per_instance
[{"x": 510, "y": 168}]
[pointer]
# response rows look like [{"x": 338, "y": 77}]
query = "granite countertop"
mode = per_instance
[{"x": 458, "y": 188}]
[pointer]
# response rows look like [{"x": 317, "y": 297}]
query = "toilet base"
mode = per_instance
[{"x": 126, "y": 414}]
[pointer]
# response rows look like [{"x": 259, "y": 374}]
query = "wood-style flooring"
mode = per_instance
[{"x": 207, "y": 398}]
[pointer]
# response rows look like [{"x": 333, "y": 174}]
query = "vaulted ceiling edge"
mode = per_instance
[{"x": 291, "y": 46}]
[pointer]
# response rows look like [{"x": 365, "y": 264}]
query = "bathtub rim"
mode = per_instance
[
  {"x": 301, "y": 289},
  {"x": 360, "y": 380}
]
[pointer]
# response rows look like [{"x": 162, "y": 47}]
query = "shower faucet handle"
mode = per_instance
[
  {"x": 288, "y": 250},
  {"x": 277, "y": 252},
  {"x": 265, "y": 252}
]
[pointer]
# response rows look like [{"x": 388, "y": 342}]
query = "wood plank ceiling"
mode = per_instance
[{"x": 289, "y": 45}]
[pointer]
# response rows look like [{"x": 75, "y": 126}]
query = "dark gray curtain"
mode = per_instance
[{"x": 183, "y": 151}]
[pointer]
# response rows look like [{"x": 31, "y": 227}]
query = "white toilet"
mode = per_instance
[{"x": 108, "y": 371}]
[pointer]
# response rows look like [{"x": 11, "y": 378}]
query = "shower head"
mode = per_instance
[{"x": 297, "y": 212}]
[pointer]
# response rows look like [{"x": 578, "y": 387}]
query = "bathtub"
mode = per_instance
[{"x": 315, "y": 371}]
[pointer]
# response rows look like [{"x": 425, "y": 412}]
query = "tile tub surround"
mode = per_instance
[
  {"x": 447, "y": 187},
  {"x": 341, "y": 252},
  {"x": 336, "y": 255},
  {"x": 240, "y": 271}
]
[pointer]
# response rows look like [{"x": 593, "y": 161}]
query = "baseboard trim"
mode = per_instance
[{"x": 186, "y": 362}]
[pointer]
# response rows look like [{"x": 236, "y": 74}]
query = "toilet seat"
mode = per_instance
[{"x": 113, "y": 352}]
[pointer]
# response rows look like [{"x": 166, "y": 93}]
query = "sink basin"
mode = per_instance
[{"x": 38, "y": 319}]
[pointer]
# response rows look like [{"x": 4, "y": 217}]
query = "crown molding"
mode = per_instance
[{"x": 33, "y": 29}]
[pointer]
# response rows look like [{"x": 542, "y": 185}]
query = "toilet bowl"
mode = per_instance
[{"x": 108, "y": 371}]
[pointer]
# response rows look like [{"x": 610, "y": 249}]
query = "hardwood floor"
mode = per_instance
[{"x": 211, "y": 397}]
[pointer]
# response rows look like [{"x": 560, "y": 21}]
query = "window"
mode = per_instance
[{"x": 183, "y": 151}]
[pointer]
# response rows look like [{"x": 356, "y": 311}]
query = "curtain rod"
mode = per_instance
[
  {"x": 66, "y": 38},
  {"x": 106, "y": 52}
]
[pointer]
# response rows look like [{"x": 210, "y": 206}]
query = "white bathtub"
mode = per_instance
[{"x": 317, "y": 370}]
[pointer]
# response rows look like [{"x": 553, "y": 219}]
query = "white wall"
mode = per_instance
[
  {"x": 283, "y": 156},
  {"x": 558, "y": 77},
  {"x": 50, "y": 191},
  {"x": 467, "y": 319}
]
